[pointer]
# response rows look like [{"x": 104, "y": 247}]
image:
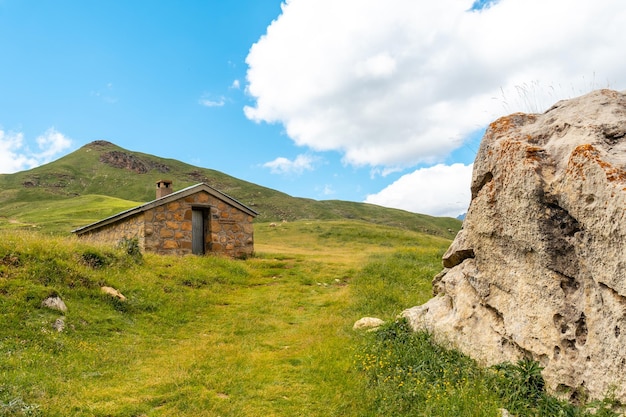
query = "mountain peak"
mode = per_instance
[{"x": 100, "y": 144}]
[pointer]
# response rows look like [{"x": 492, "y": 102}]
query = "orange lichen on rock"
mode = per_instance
[
  {"x": 508, "y": 123},
  {"x": 535, "y": 153},
  {"x": 616, "y": 174},
  {"x": 587, "y": 152}
]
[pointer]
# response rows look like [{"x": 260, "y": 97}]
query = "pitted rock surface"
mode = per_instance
[{"x": 539, "y": 268}]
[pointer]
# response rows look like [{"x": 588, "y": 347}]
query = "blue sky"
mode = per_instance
[{"x": 355, "y": 100}]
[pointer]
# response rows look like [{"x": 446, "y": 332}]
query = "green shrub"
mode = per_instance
[
  {"x": 93, "y": 259},
  {"x": 522, "y": 389},
  {"x": 131, "y": 247}
]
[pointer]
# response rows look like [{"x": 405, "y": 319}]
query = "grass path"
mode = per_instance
[{"x": 269, "y": 336}]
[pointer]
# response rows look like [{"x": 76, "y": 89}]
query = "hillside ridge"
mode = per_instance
[{"x": 101, "y": 168}]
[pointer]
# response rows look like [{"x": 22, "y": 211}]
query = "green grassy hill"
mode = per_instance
[{"x": 101, "y": 179}]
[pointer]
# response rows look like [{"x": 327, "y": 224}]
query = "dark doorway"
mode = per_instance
[{"x": 198, "y": 231}]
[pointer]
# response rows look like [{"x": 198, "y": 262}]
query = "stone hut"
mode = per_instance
[{"x": 196, "y": 220}]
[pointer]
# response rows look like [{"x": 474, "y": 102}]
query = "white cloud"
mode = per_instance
[
  {"x": 441, "y": 190},
  {"x": 402, "y": 83},
  {"x": 212, "y": 103},
  {"x": 51, "y": 144},
  {"x": 380, "y": 66},
  {"x": 11, "y": 160},
  {"x": 288, "y": 167},
  {"x": 328, "y": 190},
  {"x": 16, "y": 156}
]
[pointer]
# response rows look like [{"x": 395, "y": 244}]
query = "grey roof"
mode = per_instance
[{"x": 164, "y": 200}]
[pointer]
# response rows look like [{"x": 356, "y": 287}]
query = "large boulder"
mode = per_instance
[{"x": 539, "y": 268}]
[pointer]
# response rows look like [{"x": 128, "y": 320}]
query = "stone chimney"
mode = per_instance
[{"x": 163, "y": 188}]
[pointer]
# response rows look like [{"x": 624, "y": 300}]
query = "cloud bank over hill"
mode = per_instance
[
  {"x": 421, "y": 191},
  {"x": 16, "y": 156},
  {"x": 398, "y": 86}
]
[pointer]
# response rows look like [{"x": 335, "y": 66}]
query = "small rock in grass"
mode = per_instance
[
  {"x": 113, "y": 292},
  {"x": 59, "y": 324},
  {"x": 367, "y": 323},
  {"x": 54, "y": 303}
]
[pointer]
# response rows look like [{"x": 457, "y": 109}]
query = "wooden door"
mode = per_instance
[{"x": 197, "y": 232}]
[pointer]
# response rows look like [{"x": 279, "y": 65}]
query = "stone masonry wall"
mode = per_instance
[
  {"x": 228, "y": 230},
  {"x": 167, "y": 229},
  {"x": 132, "y": 227},
  {"x": 232, "y": 232}
]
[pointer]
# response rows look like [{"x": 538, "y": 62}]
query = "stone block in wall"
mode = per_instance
[{"x": 170, "y": 244}]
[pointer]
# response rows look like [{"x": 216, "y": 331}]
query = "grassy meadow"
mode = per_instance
[{"x": 267, "y": 336}]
